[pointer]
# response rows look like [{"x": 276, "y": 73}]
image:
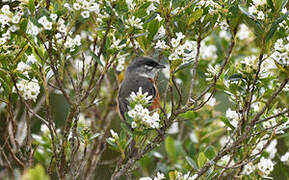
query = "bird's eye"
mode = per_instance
[{"x": 149, "y": 68}]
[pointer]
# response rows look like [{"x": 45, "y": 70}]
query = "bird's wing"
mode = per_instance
[{"x": 132, "y": 85}]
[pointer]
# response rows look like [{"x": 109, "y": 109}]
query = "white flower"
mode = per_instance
[
  {"x": 156, "y": 1},
  {"x": 180, "y": 50},
  {"x": 114, "y": 134},
  {"x": 53, "y": 16},
  {"x": 77, "y": 40},
  {"x": 38, "y": 138},
  {"x": 133, "y": 125},
  {"x": 4, "y": 20},
  {"x": 161, "y": 45},
  {"x": 259, "y": 147},
  {"x": 249, "y": 61},
  {"x": 271, "y": 149},
  {"x": 243, "y": 32},
  {"x": 284, "y": 10},
  {"x": 42, "y": 20},
  {"x": 193, "y": 177},
  {"x": 180, "y": 36},
  {"x": 45, "y": 23},
  {"x": 134, "y": 22},
  {"x": 259, "y": 2},
  {"x": 62, "y": 28},
  {"x": 260, "y": 15},
  {"x": 85, "y": 4},
  {"x": 266, "y": 166},
  {"x": 279, "y": 45},
  {"x": 13, "y": 28},
  {"x": 189, "y": 45},
  {"x": 175, "y": 11},
  {"x": 132, "y": 113},
  {"x": 2, "y": 40},
  {"x": 76, "y": 6},
  {"x": 16, "y": 19},
  {"x": 5, "y": 9},
  {"x": 174, "y": 128},
  {"x": 130, "y": 4},
  {"x": 85, "y": 14},
  {"x": 48, "y": 26},
  {"x": 67, "y": 6},
  {"x": 270, "y": 123},
  {"x": 173, "y": 56},
  {"x": 94, "y": 7},
  {"x": 161, "y": 33},
  {"x": 212, "y": 101},
  {"x": 159, "y": 176},
  {"x": 285, "y": 158},
  {"x": 28, "y": 89},
  {"x": 208, "y": 51},
  {"x": 231, "y": 114},
  {"x": 225, "y": 35},
  {"x": 151, "y": 8},
  {"x": 248, "y": 169},
  {"x": 116, "y": 44},
  {"x": 140, "y": 96},
  {"x": 159, "y": 18},
  {"x": 111, "y": 139},
  {"x": 252, "y": 10},
  {"x": 119, "y": 67},
  {"x": 145, "y": 178},
  {"x": 224, "y": 25},
  {"x": 44, "y": 128},
  {"x": 175, "y": 42},
  {"x": 22, "y": 66},
  {"x": 138, "y": 108}
]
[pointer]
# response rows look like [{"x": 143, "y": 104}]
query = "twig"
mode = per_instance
[{"x": 195, "y": 69}]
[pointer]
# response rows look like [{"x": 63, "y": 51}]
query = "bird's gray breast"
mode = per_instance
[{"x": 130, "y": 85}]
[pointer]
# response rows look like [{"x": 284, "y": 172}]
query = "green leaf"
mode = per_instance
[
  {"x": 274, "y": 26},
  {"x": 185, "y": 65},
  {"x": 152, "y": 17},
  {"x": 202, "y": 159},
  {"x": 153, "y": 27},
  {"x": 126, "y": 128},
  {"x": 170, "y": 148},
  {"x": 94, "y": 136},
  {"x": 280, "y": 4},
  {"x": 19, "y": 55},
  {"x": 271, "y": 5},
  {"x": 175, "y": 63},
  {"x": 138, "y": 35},
  {"x": 192, "y": 163},
  {"x": 243, "y": 9},
  {"x": 210, "y": 152},
  {"x": 236, "y": 77},
  {"x": 111, "y": 143},
  {"x": 35, "y": 173},
  {"x": 96, "y": 58},
  {"x": 226, "y": 122},
  {"x": 196, "y": 15},
  {"x": 258, "y": 31},
  {"x": 31, "y": 6}
]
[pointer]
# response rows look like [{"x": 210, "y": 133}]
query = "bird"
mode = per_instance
[{"x": 139, "y": 73}]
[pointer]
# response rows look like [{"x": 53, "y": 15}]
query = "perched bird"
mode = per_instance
[{"x": 139, "y": 73}]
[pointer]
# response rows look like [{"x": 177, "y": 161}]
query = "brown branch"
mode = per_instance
[
  {"x": 241, "y": 138},
  {"x": 260, "y": 61},
  {"x": 217, "y": 76},
  {"x": 269, "y": 101},
  {"x": 96, "y": 63},
  {"x": 195, "y": 69}
]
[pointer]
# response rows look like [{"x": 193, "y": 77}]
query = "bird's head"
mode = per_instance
[{"x": 144, "y": 66}]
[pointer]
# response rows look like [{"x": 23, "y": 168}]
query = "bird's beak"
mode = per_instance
[{"x": 160, "y": 66}]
